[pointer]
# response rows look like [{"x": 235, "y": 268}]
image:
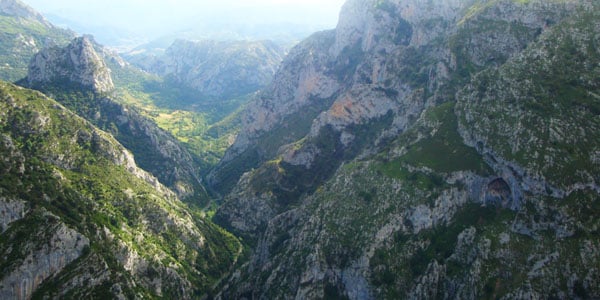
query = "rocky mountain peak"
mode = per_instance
[
  {"x": 76, "y": 64},
  {"x": 19, "y": 9}
]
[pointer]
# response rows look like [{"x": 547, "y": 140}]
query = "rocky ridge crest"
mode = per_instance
[{"x": 78, "y": 63}]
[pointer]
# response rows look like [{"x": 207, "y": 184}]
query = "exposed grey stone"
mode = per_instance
[{"x": 78, "y": 63}]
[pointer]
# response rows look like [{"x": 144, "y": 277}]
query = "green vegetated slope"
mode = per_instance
[
  {"x": 196, "y": 89},
  {"x": 411, "y": 224},
  {"x": 491, "y": 193},
  {"x": 542, "y": 109},
  {"x": 154, "y": 148},
  {"x": 206, "y": 126},
  {"x": 81, "y": 220},
  {"x": 420, "y": 235},
  {"x": 20, "y": 39},
  {"x": 78, "y": 77}
]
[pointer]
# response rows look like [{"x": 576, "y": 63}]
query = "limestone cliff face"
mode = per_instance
[
  {"x": 11, "y": 210},
  {"x": 216, "y": 69},
  {"x": 78, "y": 77},
  {"x": 399, "y": 156},
  {"x": 52, "y": 248},
  {"x": 78, "y": 64},
  {"x": 80, "y": 219},
  {"x": 372, "y": 77},
  {"x": 349, "y": 77}
]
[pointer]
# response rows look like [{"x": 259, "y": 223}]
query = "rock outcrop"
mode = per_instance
[
  {"x": 11, "y": 210},
  {"x": 77, "y": 64},
  {"x": 50, "y": 248}
]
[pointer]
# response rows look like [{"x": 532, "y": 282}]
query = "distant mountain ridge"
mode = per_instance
[
  {"x": 23, "y": 32},
  {"x": 216, "y": 69},
  {"x": 19, "y": 9}
]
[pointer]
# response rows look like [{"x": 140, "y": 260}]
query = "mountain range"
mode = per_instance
[
  {"x": 424, "y": 150},
  {"x": 421, "y": 149},
  {"x": 217, "y": 69}
]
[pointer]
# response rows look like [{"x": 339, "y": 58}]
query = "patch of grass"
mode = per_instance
[
  {"x": 415, "y": 179},
  {"x": 445, "y": 151},
  {"x": 442, "y": 150}
]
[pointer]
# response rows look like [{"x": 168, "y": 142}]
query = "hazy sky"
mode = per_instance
[{"x": 161, "y": 16}]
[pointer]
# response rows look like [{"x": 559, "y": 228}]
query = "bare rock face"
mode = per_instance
[
  {"x": 77, "y": 64},
  {"x": 49, "y": 249},
  {"x": 11, "y": 210},
  {"x": 300, "y": 82},
  {"x": 348, "y": 78},
  {"x": 341, "y": 89},
  {"x": 369, "y": 80}
]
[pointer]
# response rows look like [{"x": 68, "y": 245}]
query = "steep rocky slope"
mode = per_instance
[
  {"x": 216, "y": 69},
  {"x": 76, "y": 64},
  {"x": 24, "y": 32},
  {"x": 441, "y": 149},
  {"x": 81, "y": 220},
  {"x": 540, "y": 110},
  {"x": 371, "y": 78},
  {"x": 78, "y": 77}
]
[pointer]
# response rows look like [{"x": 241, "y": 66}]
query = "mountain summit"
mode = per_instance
[{"x": 76, "y": 64}]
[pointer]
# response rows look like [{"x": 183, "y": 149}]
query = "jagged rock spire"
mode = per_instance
[{"x": 78, "y": 63}]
